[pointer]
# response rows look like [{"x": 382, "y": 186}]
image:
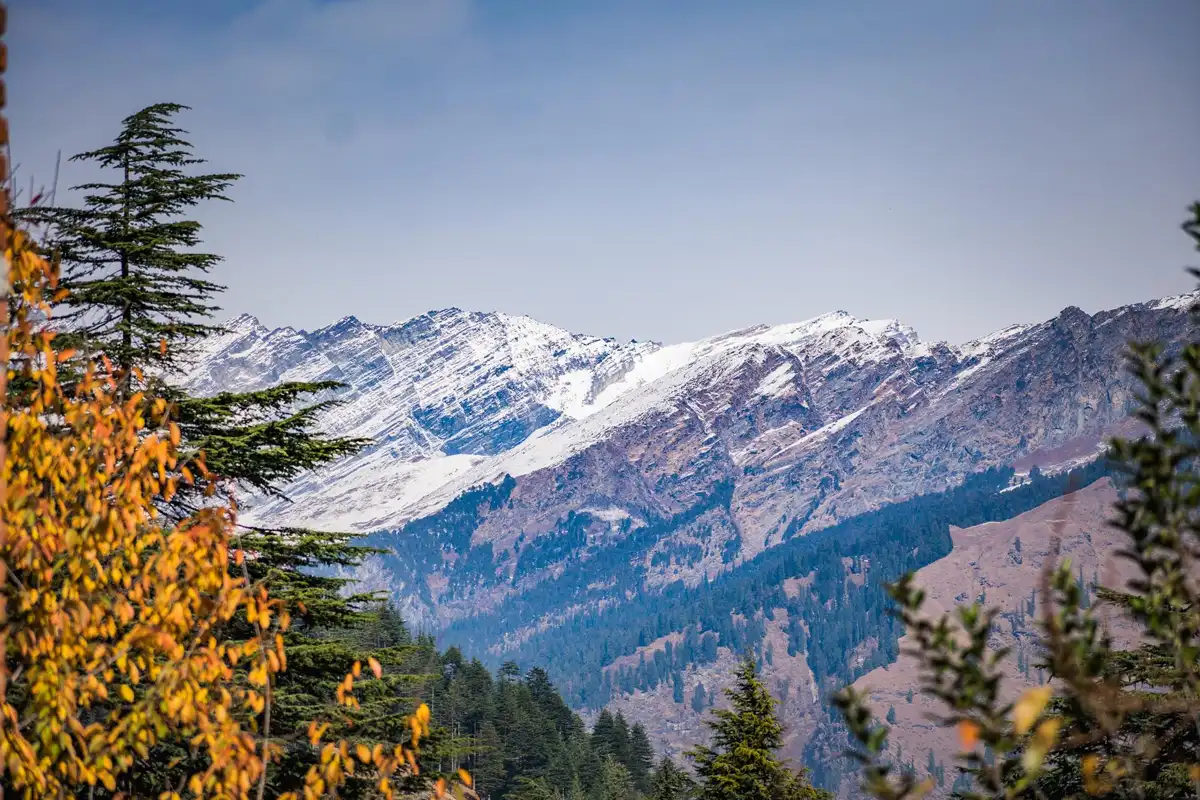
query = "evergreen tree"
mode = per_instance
[
  {"x": 488, "y": 768},
  {"x": 742, "y": 764},
  {"x": 138, "y": 293},
  {"x": 129, "y": 264},
  {"x": 604, "y": 734},
  {"x": 698, "y": 699},
  {"x": 528, "y": 788},
  {"x": 671, "y": 783},
  {"x": 620, "y": 740},
  {"x": 614, "y": 783},
  {"x": 641, "y": 758},
  {"x": 891, "y": 715}
]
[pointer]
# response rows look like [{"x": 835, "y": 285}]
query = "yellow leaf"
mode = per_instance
[
  {"x": 126, "y": 693},
  {"x": 1040, "y": 744},
  {"x": 465, "y": 777},
  {"x": 1029, "y": 708},
  {"x": 1093, "y": 783}
]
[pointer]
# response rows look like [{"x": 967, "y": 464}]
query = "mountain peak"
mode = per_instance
[{"x": 243, "y": 322}]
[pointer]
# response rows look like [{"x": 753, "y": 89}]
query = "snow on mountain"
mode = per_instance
[
  {"x": 454, "y": 399},
  {"x": 436, "y": 394}
]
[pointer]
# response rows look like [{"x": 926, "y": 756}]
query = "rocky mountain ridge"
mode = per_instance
[
  {"x": 726, "y": 446},
  {"x": 454, "y": 399},
  {"x": 549, "y": 497}
]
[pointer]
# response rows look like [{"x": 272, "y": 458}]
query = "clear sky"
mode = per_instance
[{"x": 659, "y": 170}]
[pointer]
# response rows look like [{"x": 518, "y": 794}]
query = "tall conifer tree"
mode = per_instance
[
  {"x": 133, "y": 276},
  {"x": 138, "y": 292},
  {"x": 742, "y": 764},
  {"x": 641, "y": 757},
  {"x": 671, "y": 783}
]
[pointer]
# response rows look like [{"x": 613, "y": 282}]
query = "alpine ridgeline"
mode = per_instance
[{"x": 634, "y": 516}]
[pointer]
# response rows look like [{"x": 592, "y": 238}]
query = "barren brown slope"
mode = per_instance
[{"x": 987, "y": 561}]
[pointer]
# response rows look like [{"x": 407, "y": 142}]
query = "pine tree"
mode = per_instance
[
  {"x": 641, "y": 757},
  {"x": 698, "y": 699},
  {"x": 604, "y": 734},
  {"x": 742, "y": 764},
  {"x": 614, "y": 783},
  {"x": 138, "y": 293},
  {"x": 528, "y": 788},
  {"x": 671, "y": 783},
  {"x": 620, "y": 739},
  {"x": 133, "y": 277}
]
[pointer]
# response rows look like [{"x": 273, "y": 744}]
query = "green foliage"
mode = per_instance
[
  {"x": 129, "y": 261},
  {"x": 671, "y": 783},
  {"x": 137, "y": 294},
  {"x": 641, "y": 758},
  {"x": 262, "y": 439},
  {"x": 615, "y": 782},
  {"x": 741, "y": 764},
  {"x": 1114, "y": 723}
]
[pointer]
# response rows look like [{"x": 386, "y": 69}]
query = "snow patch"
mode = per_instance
[
  {"x": 824, "y": 431},
  {"x": 777, "y": 383},
  {"x": 1179, "y": 301}
]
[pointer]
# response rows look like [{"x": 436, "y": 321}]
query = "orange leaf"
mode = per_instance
[
  {"x": 968, "y": 735},
  {"x": 376, "y": 669}
]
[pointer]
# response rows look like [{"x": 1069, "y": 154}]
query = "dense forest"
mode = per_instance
[
  {"x": 832, "y": 617},
  {"x": 511, "y": 731},
  {"x": 828, "y": 620}
]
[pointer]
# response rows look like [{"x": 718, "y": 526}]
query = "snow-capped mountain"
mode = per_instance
[
  {"x": 437, "y": 394},
  {"x": 542, "y": 495},
  {"x": 729, "y": 445},
  {"x": 454, "y": 398}
]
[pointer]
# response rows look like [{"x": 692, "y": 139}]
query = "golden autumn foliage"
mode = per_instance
[{"x": 113, "y": 616}]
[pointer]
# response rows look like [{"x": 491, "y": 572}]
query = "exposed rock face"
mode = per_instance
[
  {"x": 677, "y": 461},
  {"x": 1003, "y": 563}
]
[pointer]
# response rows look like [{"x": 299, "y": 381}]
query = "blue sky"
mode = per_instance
[{"x": 661, "y": 170}]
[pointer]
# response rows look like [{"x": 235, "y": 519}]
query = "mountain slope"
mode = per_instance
[
  {"x": 713, "y": 450},
  {"x": 454, "y": 399},
  {"x": 437, "y": 393},
  {"x": 632, "y": 515},
  {"x": 725, "y": 446}
]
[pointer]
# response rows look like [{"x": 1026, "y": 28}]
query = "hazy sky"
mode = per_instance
[{"x": 660, "y": 170}]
